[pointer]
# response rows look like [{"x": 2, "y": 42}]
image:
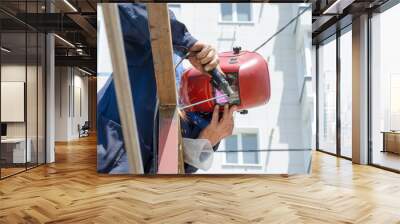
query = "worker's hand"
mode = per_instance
[
  {"x": 203, "y": 57},
  {"x": 219, "y": 128}
]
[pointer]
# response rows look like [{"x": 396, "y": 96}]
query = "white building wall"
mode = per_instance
[
  {"x": 285, "y": 122},
  {"x": 70, "y": 108}
]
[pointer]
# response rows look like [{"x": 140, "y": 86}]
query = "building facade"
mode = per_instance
[{"x": 277, "y": 137}]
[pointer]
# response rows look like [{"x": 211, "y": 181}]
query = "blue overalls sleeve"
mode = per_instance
[
  {"x": 112, "y": 155},
  {"x": 135, "y": 30},
  {"x": 180, "y": 35}
]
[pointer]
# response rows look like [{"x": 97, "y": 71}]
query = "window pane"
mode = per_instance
[
  {"x": 32, "y": 73},
  {"x": 14, "y": 154},
  {"x": 176, "y": 9},
  {"x": 41, "y": 98},
  {"x": 231, "y": 144},
  {"x": 250, "y": 145},
  {"x": 31, "y": 100},
  {"x": 394, "y": 102},
  {"x": 226, "y": 11},
  {"x": 243, "y": 11},
  {"x": 327, "y": 96},
  {"x": 385, "y": 89},
  {"x": 346, "y": 93}
]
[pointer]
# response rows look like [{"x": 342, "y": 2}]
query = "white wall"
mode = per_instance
[
  {"x": 17, "y": 73},
  {"x": 12, "y": 73},
  {"x": 33, "y": 126},
  {"x": 70, "y": 83},
  {"x": 80, "y": 83}
]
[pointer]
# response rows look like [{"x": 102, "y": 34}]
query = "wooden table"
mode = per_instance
[{"x": 391, "y": 141}]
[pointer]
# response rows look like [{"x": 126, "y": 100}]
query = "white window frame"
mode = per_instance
[
  {"x": 234, "y": 15},
  {"x": 240, "y": 162},
  {"x": 175, "y": 5}
]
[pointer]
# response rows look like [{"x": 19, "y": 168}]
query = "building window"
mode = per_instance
[
  {"x": 176, "y": 9},
  {"x": 231, "y": 145},
  {"x": 236, "y": 12},
  {"x": 226, "y": 12},
  {"x": 243, "y": 12},
  {"x": 242, "y": 149}
]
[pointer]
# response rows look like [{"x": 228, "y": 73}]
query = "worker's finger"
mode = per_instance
[
  {"x": 203, "y": 53},
  {"x": 213, "y": 64},
  {"x": 226, "y": 112},
  {"x": 196, "y": 64},
  {"x": 210, "y": 56},
  {"x": 229, "y": 115},
  {"x": 197, "y": 47},
  {"x": 232, "y": 109},
  {"x": 215, "y": 115}
]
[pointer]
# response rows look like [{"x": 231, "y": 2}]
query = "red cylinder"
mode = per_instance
[{"x": 247, "y": 73}]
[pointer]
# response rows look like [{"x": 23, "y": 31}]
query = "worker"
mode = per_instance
[{"x": 200, "y": 131}]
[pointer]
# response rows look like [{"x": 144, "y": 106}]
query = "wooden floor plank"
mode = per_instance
[{"x": 70, "y": 191}]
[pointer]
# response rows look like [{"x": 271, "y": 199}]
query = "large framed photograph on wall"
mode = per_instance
[{"x": 230, "y": 92}]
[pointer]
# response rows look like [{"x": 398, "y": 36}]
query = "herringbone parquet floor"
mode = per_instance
[{"x": 70, "y": 191}]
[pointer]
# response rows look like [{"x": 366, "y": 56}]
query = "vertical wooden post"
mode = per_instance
[
  {"x": 170, "y": 150},
  {"x": 122, "y": 87}
]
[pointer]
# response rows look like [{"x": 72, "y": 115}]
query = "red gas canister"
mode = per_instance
[{"x": 247, "y": 74}]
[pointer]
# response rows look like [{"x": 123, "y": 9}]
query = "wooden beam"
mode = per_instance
[
  {"x": 170, "y": 142},
  {"x": 181, "y": 162},
  {"x": 122, "y": 87},
  {"x": 161, "y": 46}
]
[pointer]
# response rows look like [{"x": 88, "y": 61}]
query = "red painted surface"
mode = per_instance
[
  {"x": 252, "y": 73},
  {"x": 168, "y": 142}
]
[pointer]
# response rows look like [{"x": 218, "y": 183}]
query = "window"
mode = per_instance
[
  {"x": 394, "y": 102},
  {"x": 249, "y": 146},
  {"x": 243, "y": 12},
  {"x": 242, "y": 149},
  {"x": 231, "y": 144},
  {"x": 226, "y": 12},
  {"x": 176, "y": 9},
  {"x": 327, "y": 96},
  {"x": 236, "y": 12},
  {"x": 346, "y": 92},
  {"x": 22, "y": 87},
  {"x": 385, "y": 89}
]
